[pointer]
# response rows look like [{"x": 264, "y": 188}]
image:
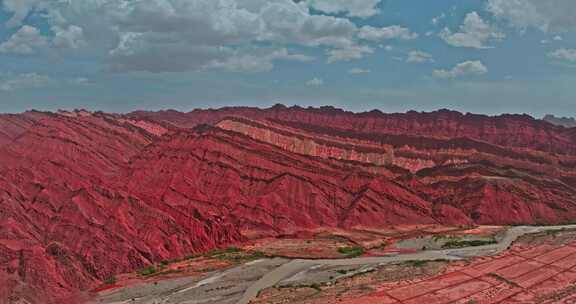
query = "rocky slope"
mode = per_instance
[
  {"x": 470, "y": 176},
  {"x": 66, "y": 221},
  {"x": 86, "y": 195}
]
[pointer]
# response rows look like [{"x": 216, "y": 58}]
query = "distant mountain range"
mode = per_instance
[
  {"x": 85, "y": 196},
  {"x": 567, "y": 122}
]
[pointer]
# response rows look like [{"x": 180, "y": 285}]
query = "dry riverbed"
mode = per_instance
[{"x": 283, "y": 280}]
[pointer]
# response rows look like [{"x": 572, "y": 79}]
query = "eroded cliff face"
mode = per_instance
[
  {"x": 412, "y": 153},
  {"x": 260, "y": 186},
  {"x": 519, "y": 131},
  {"x": 87, "y": 195},
  {"x": 248, "y": 176},
  {"x": 318, "y": 145},
  {"x": 66, "y": 221}
]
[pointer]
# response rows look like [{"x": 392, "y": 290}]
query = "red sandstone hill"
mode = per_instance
[
  {"x": 66, "y": 221},
  {"x": 85, "y": 195},
  {"x": 520, "y": 131}
]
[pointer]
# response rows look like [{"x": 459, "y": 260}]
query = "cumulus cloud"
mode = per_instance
[
  {"x": 349, "y": 53},
  {"x": 557, "y": 15},
  {"x": 467, "y": 68},
  {"x": 385, "y": 33},
  {"x": 71, "y": 37},
  {"x": 28, "y": 40},
  {"x": 175, "y": 35},
  {"x": 355, "y": 8},
  {"x": 356, "y": 71},
  {"x": 473, "y": 33},
  {"x": 24, "y": 81},
  {"x": 315, "y": 82},
  {"x": 25, "y": 41},
  {"x": 285, "y": 21},
  {"x": 568, "y": 55},
  {"x": 257, "y": 60},
  {"x": 419, "y": 57}
]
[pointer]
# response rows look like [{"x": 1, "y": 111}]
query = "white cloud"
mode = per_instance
[
  {"x": 81, "y": 81},
  {"x": 554, "y": 39},
  {"x": 419, "y": 57},
  {"x": 557, "y": 15},
  {"x": 356, "y": 71},
  {"x": 257, "y": 60},
  {"x": 353, "y": 8},
  {"x": 349, "y": 53},
  {"x": 24, "y": 81},
  {"x": 127, "y": 44},
  {"x": 315, "y": 82},
  {"x": 564, "y": 55},
  {"x": 71, "y": 37},
  {"x": 467, "y": 68},
  {"x": 179, "y": 35},
  {"x": 436, "y": 20},
  {"x": 25, "y": 41},
  {"x": 285, "y": 21},
  {"x": 473, "y": 33},
  {"x": 385, "y": 33},
  {"x": 182, "y": 35}
]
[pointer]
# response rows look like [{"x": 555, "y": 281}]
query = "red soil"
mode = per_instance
[{"x": 535, "y": 274}]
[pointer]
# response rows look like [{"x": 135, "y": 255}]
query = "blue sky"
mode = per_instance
[{"x": 484, "y": 56}]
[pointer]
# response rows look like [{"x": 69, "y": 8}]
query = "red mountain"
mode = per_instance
[
  {"x": 66, "y": 218},
  {"x": 520, "y": 131},
  {"x": 88, "y": 195}
]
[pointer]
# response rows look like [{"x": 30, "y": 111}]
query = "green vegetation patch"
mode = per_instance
[
  {"x": 241, "y": 256},
  {"x": 110, "y": 281},
  {"x": 231, "y": 254},
  {"x": 149, "y": 270},
  {"x": 217, "y": 252},
  {"x": 351, "y": 251},
  {"x": 152, "y": 270},
  {"x": 422, "y": 263},
  {"x": 416, "y": 263},
  {"x": 466, "y": 243}
]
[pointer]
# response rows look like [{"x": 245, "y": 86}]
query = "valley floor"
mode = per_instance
[{"x": 526, "y": 265}]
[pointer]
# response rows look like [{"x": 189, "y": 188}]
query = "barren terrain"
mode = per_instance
[{"x": 504, "y": 272}]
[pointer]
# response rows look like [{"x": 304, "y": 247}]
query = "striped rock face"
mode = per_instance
[{"x": 84, "y": 196}]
